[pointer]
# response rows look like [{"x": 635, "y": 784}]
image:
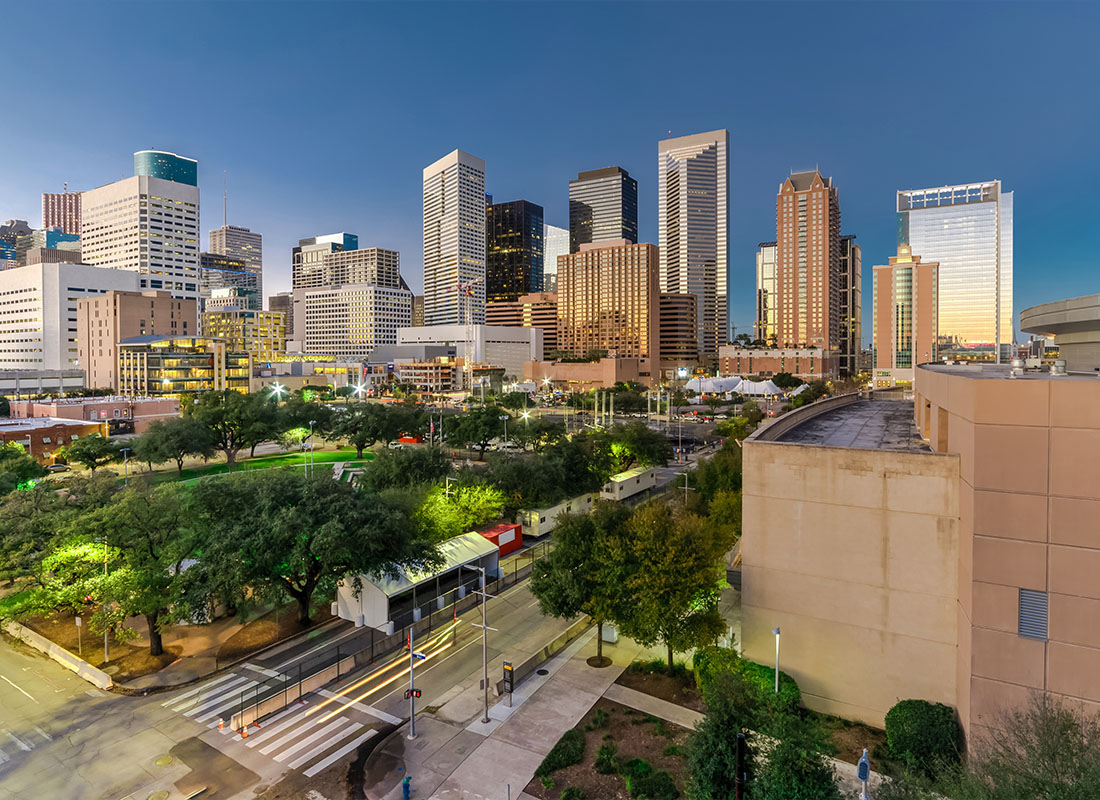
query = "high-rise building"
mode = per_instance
[
  {"x": 225, "y": 272},
  {"x": 244, "y": 244},
  {"x": 513, "y": 250},
  {"x": 147, "y": 224},
  {"x": 418, "y": 311},
  {"x": 967, "y": 229},
  {"x": 535, "y": 310},
  {"x": 693, "y": 228},
  {"x": 283, "y": 303},
  {"x": 765, "y": 330},
  {"x": 318, "y": 265},
  {"x": 808, "y": 262},
  {"x": 352, "y": 319},
  {"x": 454, "y": 240},
  {"x": 308, "y": 258},
  {"x": 850, "y": 310},
  {"x": 61, "y": 210},
  {"x": 38, "y": 312},
  {"x": 261, "y": 334},
  {"x": 166, "y": 166},
  {"x": 555, "y": 242},
  {"x": 45, "y": 238},
  {"x": 678, "y": 334},
  {"x": 905, "y": 324},
  {"x": 105, "y": 320},
  {"x": 609, "y": 299},
  {"x": 12, "y": 229},
  {"x": 603, "y": 207}
]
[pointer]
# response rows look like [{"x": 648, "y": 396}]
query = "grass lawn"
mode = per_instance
[{"x": 266, "y": 462}]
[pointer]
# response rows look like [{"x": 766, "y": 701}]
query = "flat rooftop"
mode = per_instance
[
  {"x": 862, "y": 425},
  {"x": 1001, "y": 372}
]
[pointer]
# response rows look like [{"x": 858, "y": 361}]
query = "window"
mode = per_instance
[{"x": 1033, "y": 614}]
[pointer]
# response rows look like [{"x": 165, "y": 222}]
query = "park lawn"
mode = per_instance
[{"x": 265, "y": 462}]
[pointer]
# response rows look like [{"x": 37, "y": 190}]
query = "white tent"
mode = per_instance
[
  {"x": 759, "y": 389},
  {"x": 800, "y": 390},
  {"x": 714, "y": 385}
]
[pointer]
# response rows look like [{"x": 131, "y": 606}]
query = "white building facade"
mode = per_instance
[
  {"x": 555, "y": 242},
  {"x": 510, "y": 348},
  {"x": 38, "y": 328},
  {"x": 454, "y": 240},
  {"x": 351, "y": 320}
]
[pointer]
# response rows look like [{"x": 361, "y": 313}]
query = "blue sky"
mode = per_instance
[{"x": 324, "y": 114}]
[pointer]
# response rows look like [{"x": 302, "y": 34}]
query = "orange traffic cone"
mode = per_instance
[
  {"x": 244, "y": 732},
  {"x": 221, "y": 723}
]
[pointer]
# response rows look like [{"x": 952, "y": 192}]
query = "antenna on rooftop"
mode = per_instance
[{"x": 225, "y": 197}]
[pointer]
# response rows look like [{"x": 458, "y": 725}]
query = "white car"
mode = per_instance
[{"x": 397, "y": 445}]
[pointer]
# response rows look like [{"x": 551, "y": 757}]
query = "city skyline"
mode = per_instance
[{"x": 331, "y": 190}]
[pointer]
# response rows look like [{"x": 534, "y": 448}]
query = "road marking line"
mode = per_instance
[
  {"x": 216, "y": 699},
  {"x": 332, "y": 726},
  {"x": 343, "y": 751},
  {"x": 294, "y": 707},
  {"x": 265, "y": 671},
  {"x": 185, "y": 695},
  {"x": 19, "y": 689},
  {"x": 26, "y": 748},
  {"x": 43, "y": 734},
  {"x": 374, "y": 712},
  {"x": 325, "y": 745},
  {"x": 267, "y": 730},
  {"x": 281, "y": 741}
]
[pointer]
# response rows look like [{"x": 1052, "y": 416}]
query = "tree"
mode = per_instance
[
  {"x": 17, "y": 467},
  {"x": 712, "y": 746},
  {"x": 297, "y": 413},
  {"x": 94, "y": 451},
  {"x": 29, "y": 521},
  {"x": 360, "y": 425},
  {"x": 406, "y": 467},
  {"x": 227, "y": 415},
  {"x": 301, "y": 534},
  {"x": 635, "y": 444},
  {"x": 450, "y": 512},
  {"x": 583, "y": 574},
  {"x": 478, "y": 426},
  {"x": 713, "y": 402},
  {"x": 514, "y": 401},
  {"x": 173, "y": 440},
  {"x": 536, "y": 433},
  {"x": 793, "y": 766},
  {"x": 674, "y": 575},
  {"x": 751, "y": 411},
  {"x": 785, "y": 381}
]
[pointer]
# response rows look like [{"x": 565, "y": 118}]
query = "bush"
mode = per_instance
[
  {"x": 794, "y": 768},
  {"x": 568, "y": 751},
  {"x": 710, "y": 662},
  {"x": 923, "y": 735},
  {"x": 655, "y": 786},
  {"x": 607, "y": 758},
  {"x": 635, "y": 770},
  {"x": 674, "y": 750},
  {"x": 573, "y": 793}
]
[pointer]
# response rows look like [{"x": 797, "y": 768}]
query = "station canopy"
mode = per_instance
[{"x": 469, "y": 548}]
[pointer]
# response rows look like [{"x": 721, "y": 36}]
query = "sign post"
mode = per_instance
[
  {"x": 508, "y": 681},
  {"x": 79, "y": 640}
]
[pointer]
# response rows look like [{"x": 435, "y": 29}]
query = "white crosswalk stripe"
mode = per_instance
[
  {"x": 224, "y": 704},
  {"x": 219, "y": 699},
  {"x": 328, "y": 744},
  {"x": 332, "y": 758},
  {"x": 298, "y": 731},
  {"x": 303, "y": 743},
  {"x": 206, "y": 693},
  {"x": 195, "y": 691}
]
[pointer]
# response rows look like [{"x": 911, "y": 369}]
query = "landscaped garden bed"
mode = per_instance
[
  {"x": 615, "y": 753},
  {"x": 652, "y": 678}
]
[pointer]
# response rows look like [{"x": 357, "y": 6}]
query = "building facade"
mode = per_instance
[
  {"x": 241, "y": 243},
  {"x": 121, "y": 414},
  {"x": 509, "y": 348},
  {"x": 677, "y": 333},
  {"x": 766, "y": 327},
  {"x": 418, "y": 311},
  {"x": 850, "y": 309},
  {"x": 105, "y": 320},
  {"x": 454, "y": 240},
  {"x": 535, "y": 310},
  {"x": 513, "y": 250},
  {"x": 166, "y": 166},
  {"x": 806, "y": 363},
  {"x": 324, "y": 265},
  {"x": 555, "y": 243},
  {"x": 157, "y": 366},
  {"x": 608, "y": 300},
  {"x": 42, "y": 437},
  {"x": 61, "y": 210},
  {"x": 967, "y": 230},
  {"x": 905, "y": 326},
  {"x": 283, "y": 303},
  {"x": 603, "y": 207},
  {"x": 148, "y": 225},
  {"x": 261, "y": 334},
  {"x": 39, "y": 327},
  {"x": 693, "y": 228},
  {"x": 351, "y": 320},
  {"x": 220, "y": 272}
]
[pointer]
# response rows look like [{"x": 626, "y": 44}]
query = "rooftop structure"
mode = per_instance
[
  {"x": 1075, "y": 326},
  {"x": 863, "y": 424}
]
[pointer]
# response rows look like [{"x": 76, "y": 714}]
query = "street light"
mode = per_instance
[
  {"x": 277, "y": 390},
  {"x": 312, "y": 422},
  {"x": 125, "y": 466},
  {"x": 359, "y": 388},
  {"x": 776, "y": 632}
]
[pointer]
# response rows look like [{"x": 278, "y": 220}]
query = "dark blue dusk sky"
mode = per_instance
[{"x": 324, "y": 114}]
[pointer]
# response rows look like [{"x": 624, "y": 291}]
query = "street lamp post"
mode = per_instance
[
  {"x": 312, "y": 422},
  {"x": 106, "y": 651},
  {"x": 125, "y": 466},
  {"x": 776, "y": 632}
]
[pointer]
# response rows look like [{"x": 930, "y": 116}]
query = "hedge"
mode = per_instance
[
  {"x": 924, "y": 735},
  {"x": 568, "y": 751},
  {"x": 711, "y": 661}
]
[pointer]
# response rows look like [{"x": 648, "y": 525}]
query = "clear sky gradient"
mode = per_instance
[{"x": 324, "y": 114}]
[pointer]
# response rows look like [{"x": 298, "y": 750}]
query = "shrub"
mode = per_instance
[
  {"x": 573, "y": 793},
  {"x": 794, "y": 768},
  {"x": 674, "y": 750},
  {"x": 568, "y": 751},
  {"x": 711, "y": 662},
  {"x": 635, "y": 770},
  {"x": 601, "y": 718},
  {"x": 655, "y": 786},
  {"x": 923, "y": 735},
  {"x": 607, "y": 758}
]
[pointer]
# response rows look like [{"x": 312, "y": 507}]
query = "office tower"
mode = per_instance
[
  {"x": 223, "y": 272},
  {"x": 418, "y": 311},
  {"x": 283, "y": 303},
  {"x": 555, "y": 242},
  {"x": 9, "y": 258},
  {"x": 850, "y": 309},
  {"x": 38, "y": 312},
  {"x": 241, "y": 243},
  {"x": 608, "y": 299},
  {"x": 307, "y": 259},
  {"x": 513, "y": 250},
  {"x": 320, "y": 264},
  {"x": 967, "y": 229},
  {"x": 603, "y": 207},
  {"x": 678, "y": 334},
  {"x": 693, "y": 228},
  {"x": 14, "y": 243},
  {"x": 261, "y": 334},
  {"x": 146, "y": 224},
  {"x": 454, "y": 240},
  {"x": 534, "y": 310},
  {"x": 12, "y": 229},
  {"x": 905, "y": 323},
  {"x": 765, "y": 329},
  {"x": 61, "y": 210},
  {"x": 106, "y": 319},
  {"x": 350, "y": 320},
  {"x": 808, "y": 262},
  {"x": 166, "y": 166}
]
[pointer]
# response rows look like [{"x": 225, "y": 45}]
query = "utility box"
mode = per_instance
[{"x": 507, "y": 537}]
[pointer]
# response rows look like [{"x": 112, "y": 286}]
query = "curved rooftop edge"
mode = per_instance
[
  {"x": 866, "y": 420},
  {"x": 1075, "y": 315}
]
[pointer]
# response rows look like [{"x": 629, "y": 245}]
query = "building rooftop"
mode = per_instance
[
  {"x": 1001, "y": 372},
  {"x": 862, "y": 425},
  {"x": 31, "y": 423}
]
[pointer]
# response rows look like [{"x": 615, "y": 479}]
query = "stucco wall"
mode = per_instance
[{"x": 854, "y": 555}]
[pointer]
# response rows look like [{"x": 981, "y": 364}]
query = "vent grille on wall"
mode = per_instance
[{"x": 1033, "y": 614}]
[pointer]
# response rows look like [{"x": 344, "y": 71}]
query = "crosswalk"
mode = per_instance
[
  {"x": 296, "y": 737},
  {"x": 12, "y": 744}
]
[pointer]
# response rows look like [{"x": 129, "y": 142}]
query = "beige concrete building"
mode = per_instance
[
  {"x": 572, "y": 376},
  {"x": 104, "y": 321},
  {"x": 261, "y": 334},
  {"x": 807, "y": 363},
  {"x": 906, "y": 306},
  {"x": 1075, "y": 326},
  {"x": 534, "y": 310}
]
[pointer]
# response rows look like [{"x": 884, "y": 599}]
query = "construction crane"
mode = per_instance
[{"x": 466, "y": 298}]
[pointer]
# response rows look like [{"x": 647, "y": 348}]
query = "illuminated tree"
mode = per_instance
[{"x": 93, "y": 451}]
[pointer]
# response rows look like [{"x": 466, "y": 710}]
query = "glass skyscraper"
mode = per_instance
[
  {"x": 603, "y": 207},
  {"x": 166, "y": 166},
  {"x": 555, "y": 242},
  {"x": 513, "y": 250},
  {"x": 967, "y": 229}
]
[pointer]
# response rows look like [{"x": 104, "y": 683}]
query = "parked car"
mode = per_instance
[
  {"x": 397, "y": 445},
  {"x": 58, "y": 468}
]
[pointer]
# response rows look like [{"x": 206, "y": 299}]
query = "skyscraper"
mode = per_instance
[
  {"x": 766, "y": 298},
  {"x": 967, "y": 229},
  {"x": 850, "y": 310},
  {"x": 237, "y": 242},
  {"x": 555, "y": 242},
  {"x": 905, "y": 321},
  {"x": 61, "y": 210},
  {"x": 603, "y": 207},
  {"x": 147, "y": 224},
  {"x": 217, "y": 271},
  {"x": 513, "y": 250},
  {"x": 693, "y": 228},
  {"x": 454, "y": 240},
  {"x": 808, "y": 262}
]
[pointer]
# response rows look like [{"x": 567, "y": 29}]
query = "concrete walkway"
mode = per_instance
[{"x": 669, "y": 712}]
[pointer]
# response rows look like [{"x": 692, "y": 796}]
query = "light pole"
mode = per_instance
[
  {"x": 106, "y": 651},
  {"x": 484, "y": 645},
  {"x": 125, "y": 466},
  {"x": 312, "y": 422},
  {"x": 776, "y": 632}
]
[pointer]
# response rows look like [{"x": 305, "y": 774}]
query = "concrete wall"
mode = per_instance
[
  {"x": 59, "y": 654},
  {"x": 854, "y": 555}
]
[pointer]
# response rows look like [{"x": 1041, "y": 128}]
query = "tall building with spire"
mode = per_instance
[
  {"x": 693, "y": 228},
  {"x": 454, "y": 240}
]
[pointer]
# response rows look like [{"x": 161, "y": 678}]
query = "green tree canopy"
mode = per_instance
[
  {"x": 406, "y": 467},
  {"x": 231, "y": 418},
  {"x": 17, "y": 467},
  {"x": 360, "y": 425},
  {"x": 94, "y": 451},
  {"x": 479, "y": 427},
  {"x": 173, "y": 440}
]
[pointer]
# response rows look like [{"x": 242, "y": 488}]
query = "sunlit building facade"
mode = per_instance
[
  {"x": 534, "y": 310},
  {"x": 765, "y": 329},
  {"x": 906, "y": 311},
  {"x": 603, "y": 207},
  {"x": 244, "y": 244},
  {"x": 454, "y": 240},
  {"x": 967, "y": 229},
  {"x": 351, "y": 320},
  {"x": 62, "y": 210},
  {"x": 850, "y": 306},
  {"x": 555, "y": 243},
  {"x": 153, "y": 366},
  {"x": 261, "y": 334},
  {"x": 218, "y": 271},
  {"x": 513, "y": 250}
]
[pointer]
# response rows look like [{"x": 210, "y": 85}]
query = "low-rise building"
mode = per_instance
[
  {"x": 807, "y": 363},
  {"x": 120, "y": 414},
  {"x": 16, "y": 383},
  {"x": 159, "y": 366},
  {"x": 261, "y": 334},
  {"x": 509, "y": 348},
  {"x": 42, "y": 437},
  {"x": 294, "y": 371},
  {"x": 535, "y": 310},
  {"x": 581, "y": 376},
  {"x": 437, "y": 376}
]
